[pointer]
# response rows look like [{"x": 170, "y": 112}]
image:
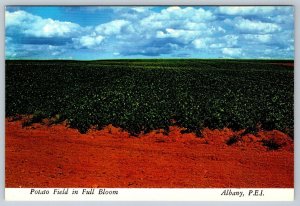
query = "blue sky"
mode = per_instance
[{"x": 86, "y": 33}]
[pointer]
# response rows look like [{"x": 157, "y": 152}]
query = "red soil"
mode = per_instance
[{"x": 57, "y": 156}]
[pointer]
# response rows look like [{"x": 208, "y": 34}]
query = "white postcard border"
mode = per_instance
[
  {"x": 152, "y": 194},
  {"x": 10, "y": 191}
]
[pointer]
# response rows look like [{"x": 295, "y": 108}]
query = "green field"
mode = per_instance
[{"x": 143, "y": 95}]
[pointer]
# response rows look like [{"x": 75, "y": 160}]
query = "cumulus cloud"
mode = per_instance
[
  {"x": 175, "y": 16},
  {"x": 231, "y": 39},
  {"x": 88, "y": 41},
  {"x": 246, "y": 10},
  {"x": 35, "y": 26},
  {"x": 232, "y": 52},
  {"x": 149, "y": 31},
  {"x": 264, "y": 38},
  {"x": 112, "y": 28},
  {"x": 180, "y": 34},
  {"x": 140, "y": 9},
  {"x": 199, "y": 43},
  {"x": 254, "y": 26},
  {"x": 173, "y": 13}
]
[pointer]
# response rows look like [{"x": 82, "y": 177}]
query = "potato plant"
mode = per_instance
[{"x": 143, "y": 95}]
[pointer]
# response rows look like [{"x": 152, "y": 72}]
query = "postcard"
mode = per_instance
[{"x": 183, "y": 103}]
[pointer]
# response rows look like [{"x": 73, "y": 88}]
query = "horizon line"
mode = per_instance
[{"x": 175, "y": 58}]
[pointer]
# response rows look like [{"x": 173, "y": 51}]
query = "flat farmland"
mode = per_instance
[{"x": 150, "y": 123}]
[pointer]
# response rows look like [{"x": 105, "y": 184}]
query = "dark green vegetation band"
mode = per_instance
[{"x": 142, "y": 95}]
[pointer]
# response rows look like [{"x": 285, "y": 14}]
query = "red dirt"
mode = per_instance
[{"x": 57, "y": 156}]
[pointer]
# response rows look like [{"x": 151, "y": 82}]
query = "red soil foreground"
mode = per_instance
[{"x": 57, "y": 156}]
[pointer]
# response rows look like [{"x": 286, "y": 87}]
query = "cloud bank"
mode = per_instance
[{"x": 161, "y": 32}]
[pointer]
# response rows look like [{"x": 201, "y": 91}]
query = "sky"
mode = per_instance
[{"x": 91, "y": 32}]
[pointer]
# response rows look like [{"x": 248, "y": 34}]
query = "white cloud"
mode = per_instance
[
  {"x": 218, "y": 29},
  {"x": 151, "y": 32},
  {"x": 18, "y": 17},
  {"x": 199, "y": 44},
  {"x": 264, "y": 38},
  {"x": 184, "y": 35},
  {"x": 230, "y": 40},
  {"x": 140, "y": 9},
  {"x": 177, "y": 16},
  {"x": 198, "y": 14},
  {"x": 35, "y": 26},
  {"x": 233, "y": 52},
  {"x": 217, "y": 45},
  {"x": 283, "y": 19},
  {"x": 246, "y": 10},
  {"x": 247, "y": 25},
  {"x": 112, "y": 28},
  {"x": 89, "y": 41},
  {"x": 51, "y": 28},
  {"x": 194, "y": 25}
]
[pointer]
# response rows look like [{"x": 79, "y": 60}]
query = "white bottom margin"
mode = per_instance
[{"x": 153, "y": 194}]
